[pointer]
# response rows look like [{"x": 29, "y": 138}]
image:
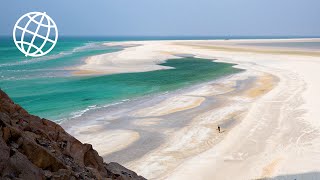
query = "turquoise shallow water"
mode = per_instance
[
  {"x": 44, "y": 87},
  {"x": 68, "y": 52}
]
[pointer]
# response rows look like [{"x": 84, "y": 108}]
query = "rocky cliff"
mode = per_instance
[{"x": 35, "y": 148}]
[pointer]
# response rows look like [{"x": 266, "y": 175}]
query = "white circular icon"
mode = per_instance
[{"x": 35, "y": 34}]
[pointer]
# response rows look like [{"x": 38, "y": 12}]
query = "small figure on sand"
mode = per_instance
[{"x": 219, "y": 128}]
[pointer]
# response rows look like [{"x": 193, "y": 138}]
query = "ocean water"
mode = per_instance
[
  {"x": 296, "y": 45},
  {"x": 45, "y": 87},
  {"x": 68, "y": 52}
]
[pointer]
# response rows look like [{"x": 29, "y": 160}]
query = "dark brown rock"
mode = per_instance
[
  {"x": 120, "y": 172},
  {"x": 35, "y": 148}
]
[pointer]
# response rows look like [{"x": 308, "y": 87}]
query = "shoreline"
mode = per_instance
[
  {"x": 143, "y": 56},
  {"x": 208, "y": 91},
  {"x": 260, "y": 145},
  {"x": 200, "y": 133},
  {"x": 198, "y": 90}
]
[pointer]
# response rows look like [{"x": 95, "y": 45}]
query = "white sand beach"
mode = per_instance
[{"x": 271, "y": 127}]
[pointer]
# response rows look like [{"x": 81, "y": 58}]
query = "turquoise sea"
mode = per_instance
[{"x": 45, "y": 87}]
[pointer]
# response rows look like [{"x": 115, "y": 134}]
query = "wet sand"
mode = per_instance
[
  {"x": 268, "y": 114},
  {"x": 153, "y": 135}
]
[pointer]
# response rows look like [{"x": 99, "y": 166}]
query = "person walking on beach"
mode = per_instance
[{"x": 219, "y": 128}]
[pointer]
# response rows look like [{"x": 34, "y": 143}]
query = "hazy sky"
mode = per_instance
[{"x": 171, "y": 17}]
